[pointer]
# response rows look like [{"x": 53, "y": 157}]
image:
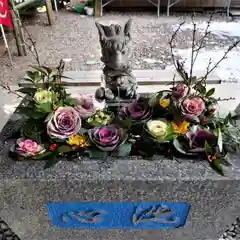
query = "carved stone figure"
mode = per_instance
[{"x": 116, "y": 45}]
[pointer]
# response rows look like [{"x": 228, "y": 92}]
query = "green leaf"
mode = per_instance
[
  {"x": 43, "y": 155},
  {"x": 220, "y": 140},
  {"x": 49, "y": 116},
  {"x": 82, "y": 131},
  {"x": 51, "y": 162},
  {"x": 29, "y": 90},
  {"x": 200, "y": 88},
  {"x": 60, "y": 103},
  {"x": 64, "y": 149},
  {"x": 73, "y": 102},
  {"x": 122, "y": 151},
  {"x": 45, "y": 107},
  {"x": 179, "y": 147},
  {"x": 153, "y": 101},
  {"x": 226, "y": 119},
  {"x": 207, "y": 147},
  {"x": 95, "y": 153},
  {"x": 31, "y": 130},
  {"x": 41, "y": 70},
  {"x": 217, "y": 166},
  {"x": 125, "y": 124},
  {"x": 36, "y": 115},
  {"x": 210, "y": 92}
]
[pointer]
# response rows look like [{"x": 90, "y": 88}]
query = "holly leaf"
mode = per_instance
[
  {"x": 217, "y": 166},
  {"x": 64, "y": 149},
  {"x": 122, "y": 151},
  {"x": 95, "y": 153},
  {"x": 210, "y": 92}
]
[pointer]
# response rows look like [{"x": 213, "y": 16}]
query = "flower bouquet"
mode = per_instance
[{"x": 179, "y": 122}]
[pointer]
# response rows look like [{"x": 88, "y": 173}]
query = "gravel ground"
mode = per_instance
[{"x": 76, "y": 37}]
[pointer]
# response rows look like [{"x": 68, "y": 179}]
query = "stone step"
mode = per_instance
[{"x": 144, "y": 77}]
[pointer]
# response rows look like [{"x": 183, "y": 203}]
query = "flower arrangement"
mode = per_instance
[
  {"x": 176, "y": 122},
  {"x": 179, "y": 122}
]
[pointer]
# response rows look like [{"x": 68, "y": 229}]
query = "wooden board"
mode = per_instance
[{"x": 144, "y": 78}]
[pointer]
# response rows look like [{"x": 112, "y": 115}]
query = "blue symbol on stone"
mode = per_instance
[
  {"x": 158, "y": 214},
  {"x": 118, "y": 215},
  {"x": 89, "y": 216}
]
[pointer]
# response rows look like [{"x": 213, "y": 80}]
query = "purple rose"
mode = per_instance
[
  {"x": 107, "y": 138},
  {"x": 179, "y": 91},
  {"x": 192, "y": 107},
  {"x": 137, "y": 111},
  {"x": 88, "y": 105},
  {"x": 64, "y": 123},
  {"x": 200, "y": 136}
]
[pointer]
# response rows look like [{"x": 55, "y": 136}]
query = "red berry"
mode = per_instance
[{"x": 53, "y": 147}]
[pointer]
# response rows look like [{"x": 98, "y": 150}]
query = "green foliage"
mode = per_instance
[
  {"x": 64, "y": 149},
  {"x": 44, "y": 156},
  {"x": 51, "y": 161},
  {"x": 95, "y": 153},
  {"x": 210, "y": 92},
  {"x": 44, "y": 107},
  {"x": 32, "y": 130},
  {"x": 217, "y": 166},
  {"x": 122, "y": 151}
]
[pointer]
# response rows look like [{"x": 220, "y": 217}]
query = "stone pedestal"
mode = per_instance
[{"x": 26, "y": 189}]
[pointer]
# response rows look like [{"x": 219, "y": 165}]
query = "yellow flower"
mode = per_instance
[
  {"x": 180, "y": 128},
  {"x": 77, "y": 141},
  {"x": 164, "y": 103}
]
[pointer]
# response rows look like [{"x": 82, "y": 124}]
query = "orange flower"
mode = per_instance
[
  {"x": 211, "y": 158},
  {"x": 180, "y": 128}
]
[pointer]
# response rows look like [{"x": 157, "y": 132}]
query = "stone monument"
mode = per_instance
[{"x": 116, "y": 46}]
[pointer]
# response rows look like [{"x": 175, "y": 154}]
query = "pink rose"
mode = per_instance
[
  {"x": 88, "y": 105},
  {"x": 179, "y": 91},
  {"x": 28, "y": 148},
  {"x": 192, "y": 107}
]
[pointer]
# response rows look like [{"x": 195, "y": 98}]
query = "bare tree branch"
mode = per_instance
[{"x": 173, "y": 37}]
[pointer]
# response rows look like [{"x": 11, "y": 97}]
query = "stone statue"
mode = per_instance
[{"x": 116, "y": 45}]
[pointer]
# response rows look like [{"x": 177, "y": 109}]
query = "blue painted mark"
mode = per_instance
[{"x": 118, "y": 215}]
